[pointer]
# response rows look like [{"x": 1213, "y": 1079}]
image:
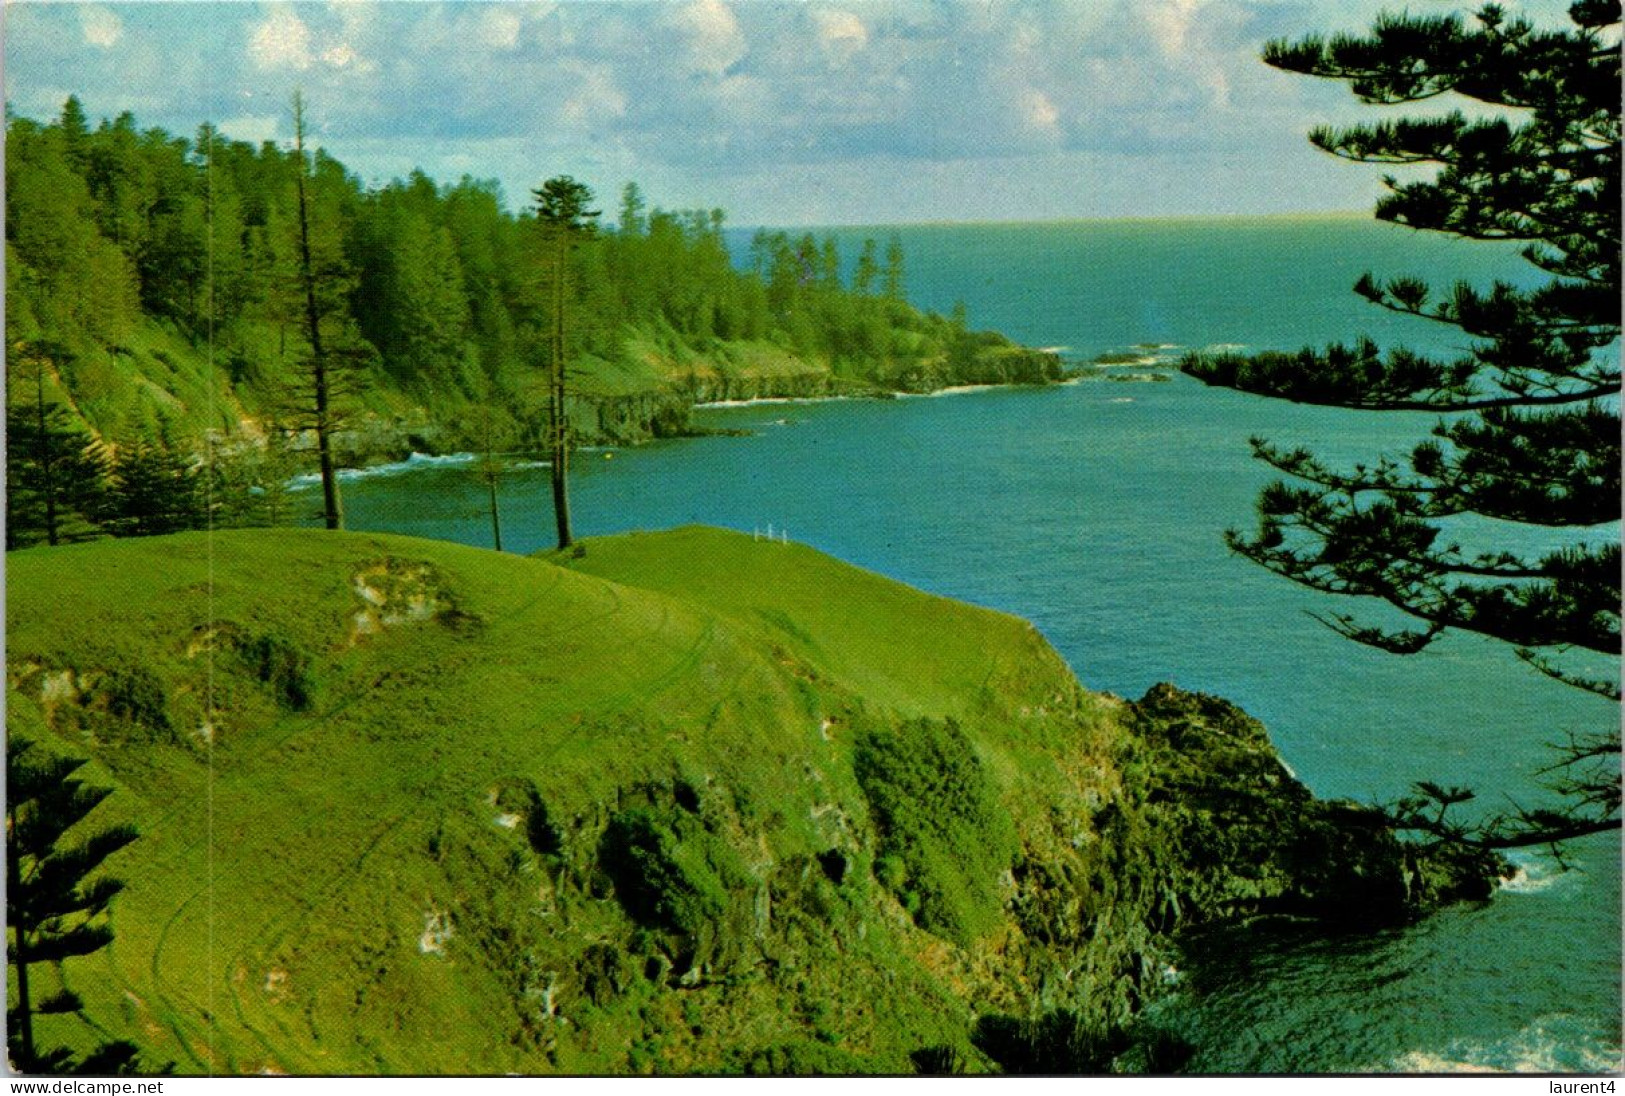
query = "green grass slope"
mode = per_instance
[
  {"x": 912, "y": 652},
  {"x": 414, "y": 807}
]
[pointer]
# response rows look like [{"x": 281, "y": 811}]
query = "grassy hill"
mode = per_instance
[
  {"x": 685, "y": 802},
  {"x": 304, "y": 836}
]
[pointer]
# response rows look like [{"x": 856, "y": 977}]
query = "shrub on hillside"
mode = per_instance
[
  {"x": 805, "y": 1059},
  {"x": 283, "y": 666},
  {"x": 669, "y": 871},
  {"x": 1059, "y": 1042},
  {"x": 945, "y": 840},
  {"x": 136, "y": 698}
]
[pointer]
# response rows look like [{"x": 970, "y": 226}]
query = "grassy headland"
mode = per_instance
[{"x": 684, "y": 802}]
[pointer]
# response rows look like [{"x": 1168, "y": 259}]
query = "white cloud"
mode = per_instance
[
  {"x": 1039, "y": 113},
  {"x": 713, "y": 40},
  {"x": 282, "y": 40},
  {"x": 500, "y": 28},
  {"x": 596, "y": 102},
  {"x": 353, "y": 15},
  {"x": 251, "y": 127},
  {"x": 840, "y": 33},
  {"x": 697, "y": 93},
  {"x": 102, "y": 27},
  {"x": 340, "y": 55},
  {"x": 747, "y": 100},
  {"x": 1170, "y": 23}
]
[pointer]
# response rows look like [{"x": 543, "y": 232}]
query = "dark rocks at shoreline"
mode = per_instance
[
  {"x": 1246, "y": 838},
  {"x": 639, "y": 417}
]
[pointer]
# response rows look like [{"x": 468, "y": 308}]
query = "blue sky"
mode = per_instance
[{"x": 866, "y": 111}]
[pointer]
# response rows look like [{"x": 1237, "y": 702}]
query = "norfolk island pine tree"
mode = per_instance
[{"x": 1529, "y": 433}]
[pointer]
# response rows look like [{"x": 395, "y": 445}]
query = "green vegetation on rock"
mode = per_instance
[{"x": 944, "y": 840}]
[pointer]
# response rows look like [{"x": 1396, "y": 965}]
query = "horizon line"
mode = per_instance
[{"x": 1016, "y": 222}]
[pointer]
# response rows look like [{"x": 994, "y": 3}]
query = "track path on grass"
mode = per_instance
[
  {"x": 172, "y": 1004},
  {"x": 176, "y": 1006}
]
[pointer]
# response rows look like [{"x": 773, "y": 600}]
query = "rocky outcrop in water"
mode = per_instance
[
  {"x": 1243, "y": 837},
  {"x": 1209, "y": 828}
]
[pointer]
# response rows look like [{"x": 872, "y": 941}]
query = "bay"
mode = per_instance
[{"x": 1095, "y": 510}]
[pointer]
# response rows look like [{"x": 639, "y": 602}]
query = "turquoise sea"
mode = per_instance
[{"x": 1095, "y": 510}]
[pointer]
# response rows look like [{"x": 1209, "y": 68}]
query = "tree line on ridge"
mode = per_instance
[{"x": 161, "y": 289}]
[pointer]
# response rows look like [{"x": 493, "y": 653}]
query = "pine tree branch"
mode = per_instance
[
  {"x": 1609, "y": 690},
  {"x": 1533, "y": 435},
  {"x": 1563, "y": 491},
  {"x": 1355, "y": 379},
  {"x": 1379, "y": 553}
]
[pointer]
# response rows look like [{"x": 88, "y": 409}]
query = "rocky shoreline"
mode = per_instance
[
  {"x": 1210, "y": 829},
  {"x": 666, "y": 412},
  {"x": 1249, "y": 839}
]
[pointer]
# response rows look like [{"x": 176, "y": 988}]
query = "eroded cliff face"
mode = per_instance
[
  {"x": 1207, "y": 826},
  {"x": 664, "y": 410},
  {"x": 1247, "y": 838},
  {"x": 630, "y": 418},
  {"x": 933, "y": 929}
]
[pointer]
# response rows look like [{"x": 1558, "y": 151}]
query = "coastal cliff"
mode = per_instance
[
  {"x": 678, "y": 802},
  {"x": 613, "y": 405}
]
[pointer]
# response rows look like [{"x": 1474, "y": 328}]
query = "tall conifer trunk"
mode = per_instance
[
  {"x": 489, "y": 470},
  {"x": 561, "y": 446},
  {"x": 496, "y": 519},
  {"x": 561, "y": 209},
  {"x": 332, "y": 504}
]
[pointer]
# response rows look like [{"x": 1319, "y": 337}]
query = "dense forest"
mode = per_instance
[{"x": 158, "y": 354}]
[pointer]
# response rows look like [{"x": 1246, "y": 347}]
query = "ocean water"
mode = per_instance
[{"x": 1095, "y": 510}]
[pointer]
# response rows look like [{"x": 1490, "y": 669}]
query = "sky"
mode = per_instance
[{"x": 804, "y": 113}]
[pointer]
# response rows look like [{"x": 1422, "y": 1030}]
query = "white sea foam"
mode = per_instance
[
  {"x": 1553, "y": 1043},
  {"x": 1422, "y": 1061},
  {"x": 759, "y": 401},
  {"x": 1131, "y": 363},
  {"x": 955, "y": 390},
  {"x": 1532, "y": 872},
  {"x": 413, "y": 463}
]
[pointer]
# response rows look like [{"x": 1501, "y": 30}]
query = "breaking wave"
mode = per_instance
[{"x": 413, "y": 463}]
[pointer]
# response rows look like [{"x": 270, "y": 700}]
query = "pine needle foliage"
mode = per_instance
[{"x": 1529, "y": 427}]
